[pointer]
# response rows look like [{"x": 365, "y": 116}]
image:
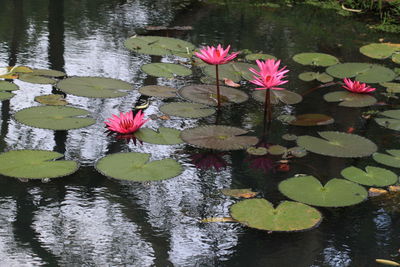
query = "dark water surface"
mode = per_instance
[{"x": 89, "y": 220}]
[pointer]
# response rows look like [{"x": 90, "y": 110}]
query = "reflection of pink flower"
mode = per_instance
[
  {"x": 262, "y": 163},
  {"x": 269, "y": 75},
  {"x": 126, "y": 123},
  {"x": 216, "y": 56},
  {"x": 208, "y": 160},
  {"x": 357, "y": 87}
]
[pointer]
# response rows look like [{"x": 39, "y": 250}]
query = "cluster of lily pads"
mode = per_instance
[{"x": 200, "y": 100}]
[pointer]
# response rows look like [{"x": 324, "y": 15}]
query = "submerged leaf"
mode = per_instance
[{"x": 311, "y": 120}]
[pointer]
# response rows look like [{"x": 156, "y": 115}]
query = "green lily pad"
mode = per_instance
[
  {"x": 5, "y": 87},
  {"x": 392, "y": 160},
  {"x": 54, "y": 117},
  {"x": 338, "y": 144},
  {"x": 316, "y": 59},
  {"x": 391, "y": 87},
  {"x": 381, "y": 50},
  {"x": 392, "y": 120},
  {"x": 35, "y": 164},
  {"x": 289, "y": 216},
  {"x": 159, "y": 46},
  {"x": 277, "y": 96},
  {"x": 187, "y": 110},
  {"x": 6, "y": 96},
  {"x": 94, "y": 87},
  {"x": 297, "y": 152},
  {"x": 158, "y": 91},
  {"x": 167, "y": 70},
  {"x": 246, "y": 193},
  {"x": 243, "y": 69},
  {"x": 30, "y": 78},
  {"x": 311, "y": 120},
  {"x": 53, "y": 100},
  {"x": 396, "y": 58},
  {"x": 363, "y": 72},
  {"x": 348, "y": 99},
  {"x": 335, "y": 193},
  {"x": 289, "y": 137},
  {"x": 207, "y": 94},
  {"x": 234, "y": 71},
  {"x": 257, "y": 151},
  {"x": 277, "y": 150},
  {"x": 163, "y": 136},
  {"x": 253, "y": 57},
  {"x": 48, "y": 73},
  {"x": 372, "y": 176},
  {"x": 135, "y": 166},
  {"x": 310, "y": 76},
  {"x": 218, "y": 137}
]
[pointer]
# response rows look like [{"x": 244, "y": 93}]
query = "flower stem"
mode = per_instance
[
  {"x": 218, "y": 94},
  {"x": 268, "y": 107}
]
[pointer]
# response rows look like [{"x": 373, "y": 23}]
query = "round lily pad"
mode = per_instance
[
  {"x": 392, "y": 120},
  {"x": 257, "y": 151},
  {"x": 316, "y": 59},
  {"x": 234, "y": 71},
  {"x": 372, "y": 176},
  {"x": 159, "y": 46},
  {"x": 289, "y": 137},
  {"x": 396, "y": 58},
  {"x": 297, "y": 152},
  {"x": 35, "y": 164},
  {"x": 6, "y": 95},
  {"x": 135, "y": 166},
  {"x": 380, "y": 50},
  {"x": 158, "y": 91},
  {"x": 310, "y": 76},
  {"x": 277, "y": 150},
  {"x": 187, "y": 110},
  {"x": 5, "y": 87},
  {"x": 338, "y": 144},
  {"x": 207, "y": 94},
  {"x": 335, "y": 193},
  {"x": 348, "y": 99},
  {"x": 253, "y": 57},
  {"x": 48, "y": 73},
  {"x": 163, "y": 136},
  {"x": 392, "y": 160},
  {"x": 54, "y": 117},
  {"x": 94, "y": 87},
  {"x": 285, "y": 96},
  {"x": 311, "y": 120},
  {"x": 391, "y": 87},
  {"x": 363, "y": 72},
  {"x": 30, "y": 78},
  {"x": 289, "y": 216},
  {"x": 53, "y": 100},
  {"x": 218, "y": 137},
  {"x": 167, "y": 70}
]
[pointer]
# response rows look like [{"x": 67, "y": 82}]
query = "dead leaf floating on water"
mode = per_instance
[
  {"x": 374, "y": 192},
  {"x": 218, "y": 219},
  {"x": 387, "y": 262}
]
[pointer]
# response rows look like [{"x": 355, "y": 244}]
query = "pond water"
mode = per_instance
[{"x": 86, "y": 219}]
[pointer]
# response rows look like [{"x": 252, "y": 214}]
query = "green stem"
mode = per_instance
[
  {"x": 218, "y": 94},
  {"x": 268, "y": 107}
]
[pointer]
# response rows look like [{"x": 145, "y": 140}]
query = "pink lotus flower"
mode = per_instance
[
  {"x": 126, "y": 123},
  {"x": 269, "y": 75},
  {"x": 216, "y": 56},
  {"x": 357, "y": 87}
]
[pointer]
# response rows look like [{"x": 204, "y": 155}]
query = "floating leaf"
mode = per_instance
[
  {"x": 35, "y": 164},
  {"x": 257, "y": 151},
  {"x": 187, "y": 110},
  {"x": 218, "y": 219},
  {"x": 393, "y": 120},
  {"x": 135, "y": 166},
  {"x": 381, "y": 50},
  {"x": 289, "y": 216},
  {"x": 218, "y": 137},
  {"x": 159, "y": 46},
  {"x": 13, "y": 72},
  {"x": 289, "y": 137},
  {"x": 392, "y": 160},
  {"x": 48, "y": 73},
  {"x": 311, "y": 120},
  {"x": 243, "y": 69},
  {"x": 297, "y": 152},
  {"x": 244, "y": 193},
  {"x": 30, "y": 78},
  {"x": 316, "y": 59},
  {"x": 158, "y": 91},
  {"x": 285, "y": 96},
  {"x": 335, "y": 193},
  {"x": 253, "y": 57},
  {"x": 207, "y": 94},
  {"x": 394, "y": 188},
  {"x": 4, "y": 88},
  {"x": 387, "y": 262},
  {"x": 348, "y": 99},
  {"x": 94, "y": 87},
  {"x": 391, "y": 87},
  {"x": 53, "y": 100},
  {"x": 54, "y": 117},
  {"x": 363, "y": 72},
  {"x": 310, "y": 76},
  {"x": 276, "y": 150},
  {"x": 167, "y": 70},
  {"x": 374, "y": 192},
  {"x": 338, "y": 144},
  {"x": 231, "y": 83},
  {"x": 6, "y": 96},
  {"x": 226, "y": 71},
  {"x": 396, "y": 58},
  {"x": 372, "y": 176},
  {"x": 163, "y": 136}
]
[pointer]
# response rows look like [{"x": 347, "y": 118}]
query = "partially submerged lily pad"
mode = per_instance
[
  {"x": 392, "y": 120},
  {"x": 285, "y": 96},
  {"x": 12, "y": 72},
  {"x": 167, "y": 70},
  {"x": 311, "y": 120},
  {"x": 372, "y": 176},
  {"x": 392, "y": 160},
  {"x": 187, "y": 110},
  {"x": 234, "y": 71},
  {"x": 218, "y": 137},
  {"x": 363, "y": 72},
  {"x": 316, "y": 59},
  {"x": 310, "y": 76},
  {"x": 94, "y": 87},
  {"x": 163, "y": 136},
  {"x": 30, "y": 78},
  {"x": 259, "y": 56},
  {"x": 257, "y": 151},
  {"x": 244, "y": 193},
  {"x": 289, "y": 216},
  {"x": 348, "y": 99},
  {"x": 5, "y": 88},
  {"x": 135, "y": 166},
  {"x": 158, "y": 91},
  {"x": 207, "y": 94},
  {"x": 52, "y": 100},
  {"x": 381, "y": 50},
  {"x": 159, "y": 46},
  {"x": 48, "y": 73},
  {"x": 338, "y": 144},
  {"x": 35, "y": 164},
  {"x": 335, "y": 193},
  {"x": 391, "y": 87},
  {"x": 54, "y": 117},
  {"x": 289, "y": 137}
]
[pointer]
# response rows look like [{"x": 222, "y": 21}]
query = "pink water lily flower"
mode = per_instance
[
  {"x": 126, "y": 123},
  {"x": 357, "y": 87},
  {"x": 269, "y": 76},
  {"x": 216, "y": 56}
]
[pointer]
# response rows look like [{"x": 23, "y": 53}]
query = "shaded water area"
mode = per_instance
[{"x": 86, "y": 219}]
